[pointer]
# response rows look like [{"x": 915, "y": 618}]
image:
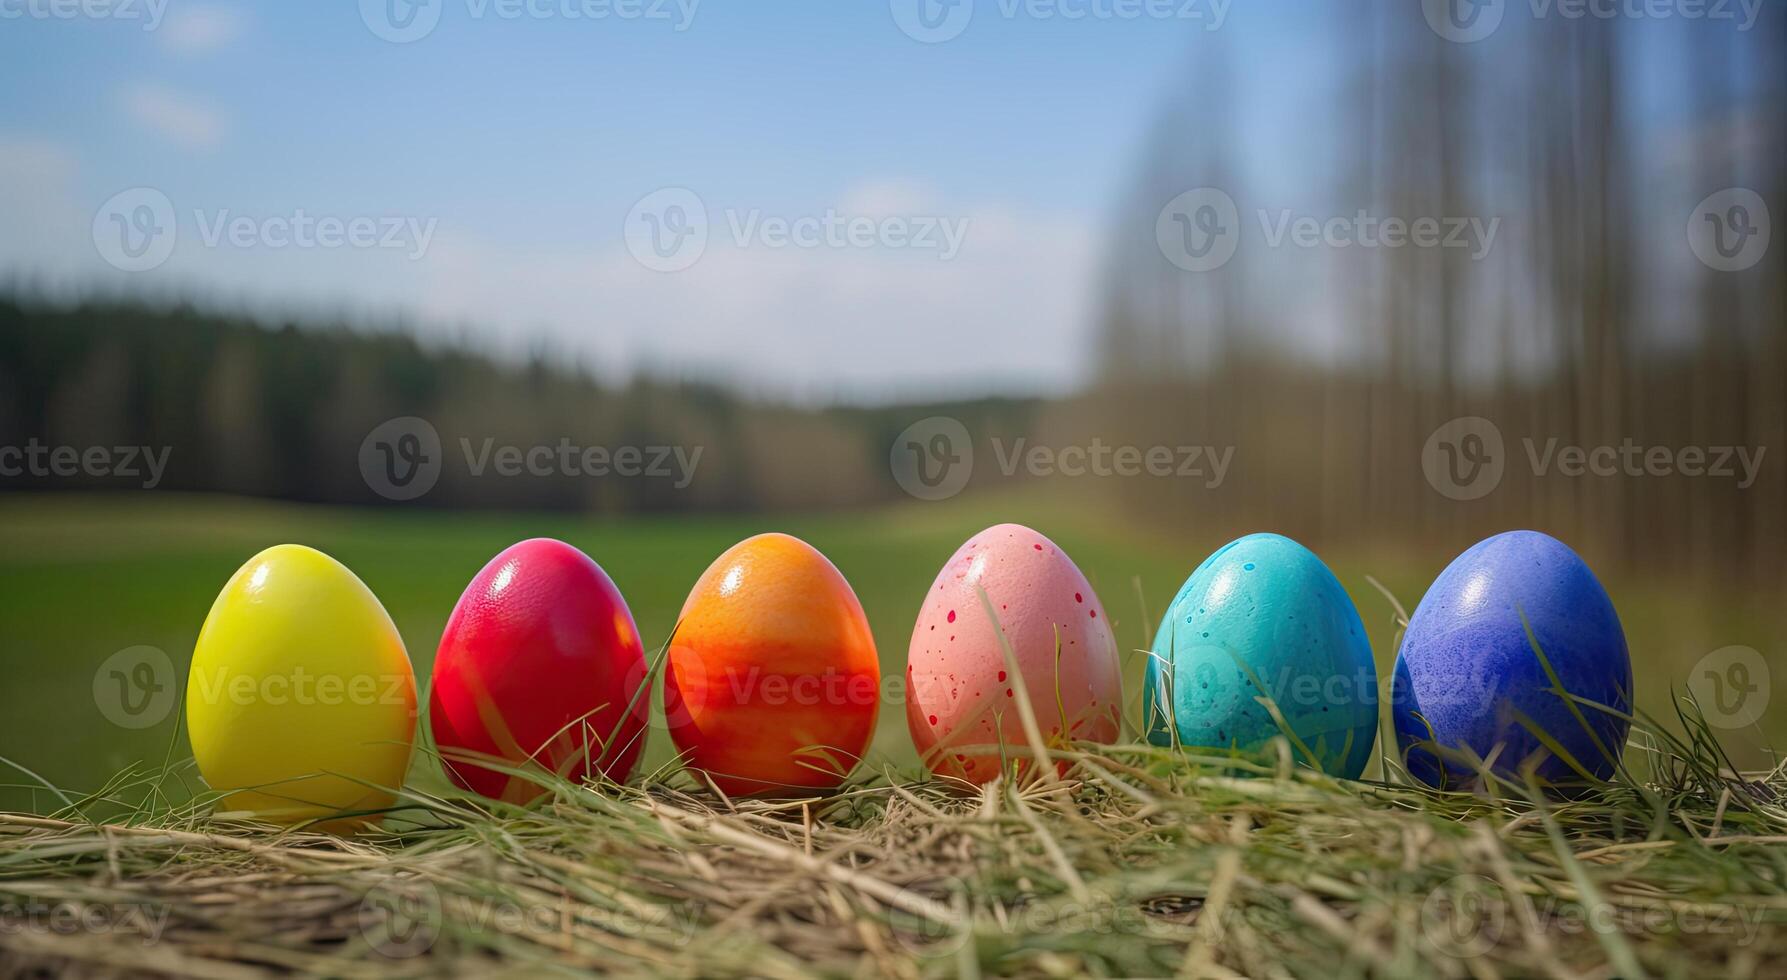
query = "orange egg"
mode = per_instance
[{"x": 772, "y": 684}]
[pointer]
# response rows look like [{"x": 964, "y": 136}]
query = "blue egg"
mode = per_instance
[
  {"x": 1468, "y": 676},
  {"x": 1264, "y": 616}
]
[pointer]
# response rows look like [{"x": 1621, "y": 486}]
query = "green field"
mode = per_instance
[{"x": 82, "y": 577}]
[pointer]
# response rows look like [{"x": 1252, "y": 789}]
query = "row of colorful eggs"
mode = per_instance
[{"x": 301, "y": 701}]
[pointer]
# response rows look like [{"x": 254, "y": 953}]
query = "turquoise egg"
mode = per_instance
[{"x": 1264, "y": 617}]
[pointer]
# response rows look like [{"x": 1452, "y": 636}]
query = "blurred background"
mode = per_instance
[{"x": 411, "y": 281}]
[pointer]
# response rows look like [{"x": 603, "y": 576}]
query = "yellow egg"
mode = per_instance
[{"x": 301, "y": 698}]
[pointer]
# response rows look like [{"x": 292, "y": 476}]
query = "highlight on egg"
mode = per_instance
[
  {"x": 301, "y": 702},
  {"x": 961, "y": 705},
  {"x": 1471, "y": 683},
  {"x": 540, "y": 667},
  {"x": 772, "y": 684},
  {"x": 1263, "y": 617}
]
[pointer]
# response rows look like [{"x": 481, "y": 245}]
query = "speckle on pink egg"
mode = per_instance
[{"x": 1037, "y": 602}]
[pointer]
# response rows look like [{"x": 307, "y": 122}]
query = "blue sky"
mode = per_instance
[
  {"x": 527, "y": 140},
  {"x": 521, "y": 163},
  {"x": 784, "y": 98}
]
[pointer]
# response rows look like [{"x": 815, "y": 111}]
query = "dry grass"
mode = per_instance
[
  {"x": 1141, "y": 861},
  {"x": 1144, "y": 861}
]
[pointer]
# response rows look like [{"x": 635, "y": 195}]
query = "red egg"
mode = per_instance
[{"x": 540, "y": 665}]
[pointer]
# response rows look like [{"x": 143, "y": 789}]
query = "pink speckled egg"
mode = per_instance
[{"x": 960, "y": 697}]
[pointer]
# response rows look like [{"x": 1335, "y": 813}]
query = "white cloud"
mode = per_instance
[
  {"x": 33, "y": 161},
  {"x": 1010, "y": 312},
  {"x": 191, "y": 30},
  {"x": 46, "y": 228},
  {"x": 175, "y": 116},
  {"x": 890, "y": 196}
]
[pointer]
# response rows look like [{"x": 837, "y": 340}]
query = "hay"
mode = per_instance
[{"x": 1143, "y": 861}]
